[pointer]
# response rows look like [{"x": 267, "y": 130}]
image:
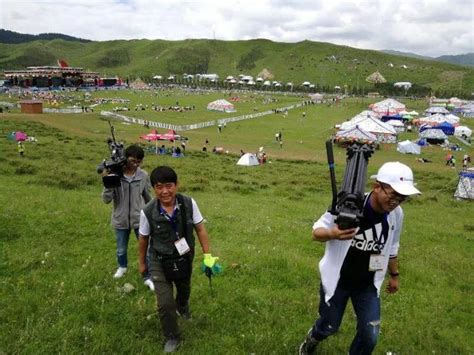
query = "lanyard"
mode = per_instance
[
  {"x": 173, "y": 219},
  {"x": 379, "y": 240}
]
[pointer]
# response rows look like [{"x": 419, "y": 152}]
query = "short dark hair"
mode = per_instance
[
  {"x": 163, "y": 174},
  {"x": 134, "y": 151}
]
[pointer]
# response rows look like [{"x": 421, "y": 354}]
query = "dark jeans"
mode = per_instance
[
  {"x": 366, "y": 305},
  {"x": 167, "y": 303}
]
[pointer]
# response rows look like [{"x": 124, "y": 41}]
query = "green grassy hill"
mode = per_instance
[
  {"x": 323, "y": 64},
  {"x": 57, "y": 250}
]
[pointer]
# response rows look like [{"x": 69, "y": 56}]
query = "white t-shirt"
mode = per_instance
[{"x": 145, "y": 225}]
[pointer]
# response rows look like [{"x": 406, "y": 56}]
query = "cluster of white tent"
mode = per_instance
[
  {"x": 367, "y": 125},
  {"x": 387, "y": 118},
  {"x": 439, "y": 123}
]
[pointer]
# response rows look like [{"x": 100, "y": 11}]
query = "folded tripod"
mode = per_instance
[{"x": 348, "y": 204}]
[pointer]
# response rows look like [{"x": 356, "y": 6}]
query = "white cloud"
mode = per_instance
[{"x": 428, "y": 27}]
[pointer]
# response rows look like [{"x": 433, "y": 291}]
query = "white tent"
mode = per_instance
[
  {"x": 453, "y": 119},
  {"x": 384, "y": 132},
  {"x": 455, "y": 102},
  {"x": 248, "y": 159},
  {"x": 397, "y": 124},
  {"x": 436, "y": 109},
  {"x": 432, "y": 120},
  {"x": 388, "y": 107},
  {"x": 403, "y": 84},
  {"x": 221, "y": 105},
  {"x": 375, "y": 77},
  {"x": 465, "y": 188},
  {"x": 372, "y": 125},
  {"x": 433, "y": 134},
  {"x": 357, "y": 118},
  {"x": 316, "y": 97},
  {"x": 462, "y": 131},
  {"x": 407, "y": 147},
  {"x": 355, "y": 134}
]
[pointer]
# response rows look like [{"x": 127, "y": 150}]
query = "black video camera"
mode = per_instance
[
  {"x": 114, "y": 166},
  {"x": 348, "y": 204}
]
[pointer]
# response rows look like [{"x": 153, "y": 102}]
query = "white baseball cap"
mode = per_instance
[{"x": 399, "y": 177}]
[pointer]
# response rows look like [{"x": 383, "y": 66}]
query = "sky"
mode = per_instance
[{"x": 425, "y": 27}]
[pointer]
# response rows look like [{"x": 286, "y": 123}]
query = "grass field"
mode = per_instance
[{"x": 57, "y": 294}]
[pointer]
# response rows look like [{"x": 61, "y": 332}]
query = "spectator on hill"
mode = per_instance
[
  {"x": 356, "y": 260},
  {"x": 177, "y": 153},
  {"x": 167, "y": 224},
  {"x": 128, "y": 199},
  {"x": 465, "y": 161},
  {"x": 449, "y": 158}
]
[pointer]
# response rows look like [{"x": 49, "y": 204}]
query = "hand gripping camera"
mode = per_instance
[
  {"x": 348, "y": 204},
  {"x": 114, "y": 166}
]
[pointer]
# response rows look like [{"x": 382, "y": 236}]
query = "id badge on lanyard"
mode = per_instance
[
  {"x": 376, "y": 262},
  {"x": 182, "y": 246}
]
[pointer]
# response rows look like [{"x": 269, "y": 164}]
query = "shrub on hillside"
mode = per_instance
[
  {"x": 189, "y": 60},
  {"x": 114, "y": 58},
  {"x": 34, "y": 57},
  {"x": 247, "y": 61}
]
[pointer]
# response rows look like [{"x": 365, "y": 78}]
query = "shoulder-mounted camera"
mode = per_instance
[{"x": 113, "y": 166}]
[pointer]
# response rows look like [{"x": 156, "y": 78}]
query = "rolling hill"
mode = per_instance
[{"x": 323, "y": 64}]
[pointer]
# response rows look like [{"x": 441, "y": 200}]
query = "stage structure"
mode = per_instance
[{"x": 56, "y": 76}]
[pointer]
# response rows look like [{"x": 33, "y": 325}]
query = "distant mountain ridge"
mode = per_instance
[
  {"x": 466, "y": 59},
  {"x": 12, "y": 37},
  {"x": 323, "y": 64}
]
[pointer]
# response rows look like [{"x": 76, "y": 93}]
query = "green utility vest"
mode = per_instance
[{"x": 162, "y": 232}]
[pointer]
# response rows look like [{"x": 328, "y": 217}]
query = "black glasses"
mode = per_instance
[{"x": 393, "y": 195}]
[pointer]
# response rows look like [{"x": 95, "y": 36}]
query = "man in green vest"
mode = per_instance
[{"x": 166, "y": 231}]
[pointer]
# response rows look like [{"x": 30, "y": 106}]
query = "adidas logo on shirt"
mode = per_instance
[{"x": 371, "y": 239}]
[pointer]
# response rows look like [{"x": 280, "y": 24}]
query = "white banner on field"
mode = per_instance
[
  {"x": 62, "y": 110},
  {"x": 179, "y": 128}
]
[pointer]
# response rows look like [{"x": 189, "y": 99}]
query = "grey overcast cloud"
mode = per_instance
[{"x": 426, "y": 27}]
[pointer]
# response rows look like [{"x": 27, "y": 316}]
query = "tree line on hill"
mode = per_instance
[{"x": 12, "y": 37}]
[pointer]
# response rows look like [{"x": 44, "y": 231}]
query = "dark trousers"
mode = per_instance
[
  {"x": 167, "y": 304},
  {"x": 366, "y": 305}
]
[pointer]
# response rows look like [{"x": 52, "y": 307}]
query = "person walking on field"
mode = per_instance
[
  {"x": 21, "y": 149},
  {"x": 356, "y": 260},
  {"x": 128, "y": 200},
  {"x": 167, "y": 224}
]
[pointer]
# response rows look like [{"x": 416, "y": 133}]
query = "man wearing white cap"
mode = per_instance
[{"x": 356, "y": 260}]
